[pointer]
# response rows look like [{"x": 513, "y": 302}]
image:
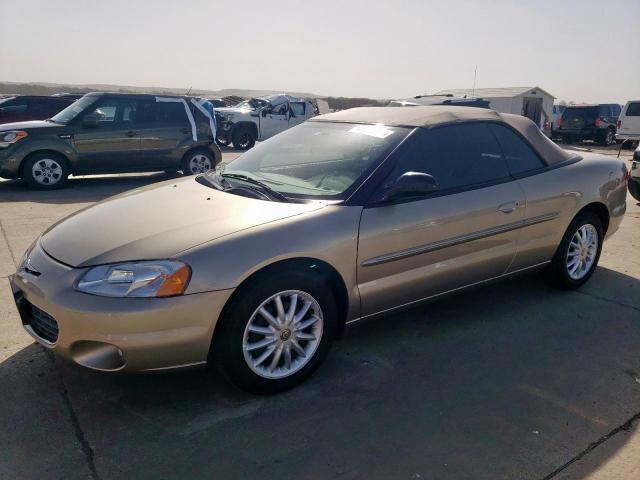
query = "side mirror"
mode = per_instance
[
  {"x": 411, "y": 184},
  {"x": 90, "y": 121},
  {"x": 264, "y": 112}
]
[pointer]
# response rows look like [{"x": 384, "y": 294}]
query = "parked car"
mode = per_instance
[
  {"x": 440, "y": 100},
  {"x": 70, "y": 95},
  {"x": 262, "y": 264},
  {"x": 628, "y": 127},
  {"x": 589, "y": 122},
  {"x": 110, "y": 133},
  {"x": 21, "y": 108},
  {"x": 261, "y": 118},
  {"x": 634, "y": 175},
  {"x": 556, "y": 113}
]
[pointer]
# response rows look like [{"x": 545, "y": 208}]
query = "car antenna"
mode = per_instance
[
  {"x": 475, "y": 75},
  {"x": 188, "y": 91}
]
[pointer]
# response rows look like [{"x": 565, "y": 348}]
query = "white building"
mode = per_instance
[{"x": 531, "y": 102}]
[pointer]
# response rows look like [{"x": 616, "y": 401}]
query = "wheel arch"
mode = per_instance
[
  {"x": 601, "y": 210},
  {"x": 331, "y": 276},
  {"x": 245, "y": 124}
]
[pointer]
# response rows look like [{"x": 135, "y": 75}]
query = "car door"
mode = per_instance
[
  {"x": 165, "y": 132},
  {"x": 110, "y": 145},
  {"x": 548, "y": 199},
  {"x": 462, "y": 234},
  {"x": 274, "y": 120}
]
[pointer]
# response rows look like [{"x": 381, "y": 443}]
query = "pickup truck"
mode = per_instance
[{"x": 260, "y": 118}]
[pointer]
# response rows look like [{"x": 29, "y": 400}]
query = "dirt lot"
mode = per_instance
[{"x": 511, "y": 381}]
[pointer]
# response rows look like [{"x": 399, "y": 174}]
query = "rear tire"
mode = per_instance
[
  {"x": 577, "y": 256},
  {"x": 243, "y": 138},
  {"x": 197, "y": 161},
  {"x": 634, "y": 188},
  {"x": 45, "y": 171},
  {"x": 243, "y": 326},
  {"x": 607, "y": 138}
]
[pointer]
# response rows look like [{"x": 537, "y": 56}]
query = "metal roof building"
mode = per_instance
[{"x": 531, "y": 102}]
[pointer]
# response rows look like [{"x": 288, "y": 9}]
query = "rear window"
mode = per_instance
[
  {"x": 164, "y": 113},
  {"x": 633, "y": 110},
  {"x": 580, "y": 112}
]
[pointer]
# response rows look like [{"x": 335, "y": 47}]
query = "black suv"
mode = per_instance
[
  {"x": 111, "y": 133},
  {"x": 589, "y": 122},
  {"x": 20, "y": 108}
]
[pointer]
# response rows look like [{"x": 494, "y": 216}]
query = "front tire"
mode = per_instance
[
  {"x": 243, "y": 138},
  {"x": 577, "y": 256},
  {"x": 45, "y": 171},
  {"x": 634, "y": 188},
  {"x": 276, "y": 331}
]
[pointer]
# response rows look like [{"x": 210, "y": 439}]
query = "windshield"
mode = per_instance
[
  {"x": 580, "y": 113},
  {"x": 252, "y": 103},
  {"x": 73, "y": 110},
  {"x": 318, "y": 160}
]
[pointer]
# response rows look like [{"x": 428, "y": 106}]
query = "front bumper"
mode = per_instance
[
  {"x": 109, "y": 334},
  {"x": 9, "y": 162}
]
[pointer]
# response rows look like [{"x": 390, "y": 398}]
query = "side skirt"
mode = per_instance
[{"x": 448, "y": 292}]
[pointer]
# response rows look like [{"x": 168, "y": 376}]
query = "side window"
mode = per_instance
[
  {"x": 520, "y": 157},
  {"x": 15, "y": 106},
  {"x": 633, "y": 110},
  {"x": 604, "y": 111},
  {"x": 115, "y": 111},
  {"x": 297, "y": 108},
  {"x": 279, "y": 109},
  {"x": 456, "y": 156},
  {"x": 164, "y": 113}
]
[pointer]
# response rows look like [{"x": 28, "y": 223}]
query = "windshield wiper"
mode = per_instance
[{"x": 253, "y": 181}]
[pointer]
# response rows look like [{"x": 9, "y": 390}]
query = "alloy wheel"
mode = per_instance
[
  {"x": 582, "y": 251},
  {"x": 283, "y": 334},
  {"x": 199, "y": 163},
  {"x": 46, "y": 171}
]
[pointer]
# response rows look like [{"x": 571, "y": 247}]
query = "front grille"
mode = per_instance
[{"x": 44, "y": 325}]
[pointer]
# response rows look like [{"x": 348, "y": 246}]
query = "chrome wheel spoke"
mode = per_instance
[
  {"x": 266, "y": 354},
  {"x": 269, "y": 318},
  {"x": 261, "y": 344},
  {"x": 276, "y": 358},
  {"x": 299, "y": 350},
  {"x": 305, "y": 336},
  {"x": 287, "y": 356},
  {"x": 307, "y": 323},
  {"x": 262, "y": 330}
]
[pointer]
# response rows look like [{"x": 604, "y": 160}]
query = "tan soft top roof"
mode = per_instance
[{"x": 437, "y": 115}]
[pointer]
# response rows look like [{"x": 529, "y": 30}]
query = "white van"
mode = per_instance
[{"x": 628, "y": 127}]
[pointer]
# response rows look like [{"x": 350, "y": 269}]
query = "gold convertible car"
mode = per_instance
[{"x": 259, "y": 265}]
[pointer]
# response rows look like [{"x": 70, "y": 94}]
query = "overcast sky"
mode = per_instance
[{"x": 576, "y": 50}]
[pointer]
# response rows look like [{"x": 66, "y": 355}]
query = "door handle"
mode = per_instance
[
  {"x": 508, "y": 207},
  {"x": 185, "y": 130},
  {"x": 131, "y": 133}
]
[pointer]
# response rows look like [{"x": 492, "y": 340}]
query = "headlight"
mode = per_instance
[
  {"x": 7, "y": 138},
  {"x": 157, "y": 278}
]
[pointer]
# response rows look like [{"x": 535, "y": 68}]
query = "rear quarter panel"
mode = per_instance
[{"x": 565, "y": 191}]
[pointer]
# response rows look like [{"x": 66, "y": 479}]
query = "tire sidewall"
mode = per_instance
[
  {"x": 559, "y": 263},
  {"x": 30, "y": 161},
  {"x": 227, "y": 342}
]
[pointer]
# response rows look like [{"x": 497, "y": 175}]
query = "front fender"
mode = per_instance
[{"x": 14, "y": 157}]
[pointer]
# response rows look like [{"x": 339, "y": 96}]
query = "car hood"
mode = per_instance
[
  {"x": 28, "y": 125},
  {"x": 158, "y": 221}
]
